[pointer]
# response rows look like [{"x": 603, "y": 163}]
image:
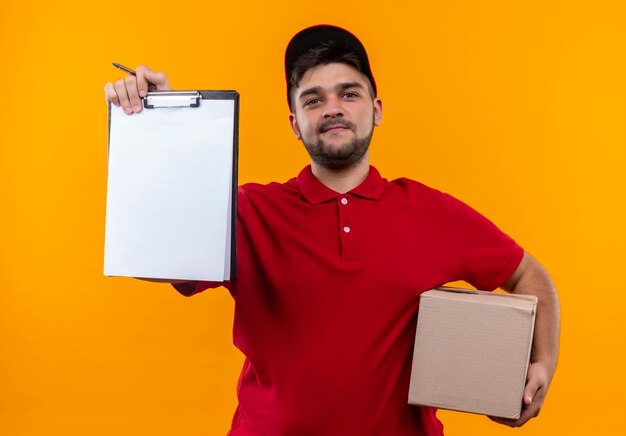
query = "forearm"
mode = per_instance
[
  {"x": 547, "y": 322},
  {"x": 534, "y": 280},
  {"x": 531, "y": 278}
]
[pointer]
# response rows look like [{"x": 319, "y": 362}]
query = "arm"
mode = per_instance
[{"x": 531, "y": 278}]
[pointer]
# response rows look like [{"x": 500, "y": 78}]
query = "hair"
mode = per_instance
[{"x": 324, "y": 54}]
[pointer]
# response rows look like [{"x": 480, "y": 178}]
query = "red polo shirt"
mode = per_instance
[{"x": 327, "y": 296}]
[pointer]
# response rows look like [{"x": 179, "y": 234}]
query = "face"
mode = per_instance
[{"x": 334, "y": 115}]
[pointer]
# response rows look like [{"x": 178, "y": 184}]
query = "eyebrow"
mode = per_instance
[
  {"x": 339, "y": 87},
  {"x": 348, "y": 85},
  {"x": 309, "y": 91}
]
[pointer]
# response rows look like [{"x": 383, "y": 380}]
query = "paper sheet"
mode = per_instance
[{"x": 169, "y": 192}]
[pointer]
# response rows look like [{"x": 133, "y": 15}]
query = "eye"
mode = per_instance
[
  {"x": 350, "y": 94},
  {"x": 312, "y": 101}
]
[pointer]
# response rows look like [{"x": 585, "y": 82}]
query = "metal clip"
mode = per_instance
[{"x": 161, "y": 99}]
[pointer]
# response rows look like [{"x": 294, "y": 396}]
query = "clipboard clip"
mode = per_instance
[{"x": 161, "y": 99}]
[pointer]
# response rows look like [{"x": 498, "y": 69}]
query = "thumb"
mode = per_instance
[
  {"x": 158, "y": 79},
  {"x": 531, "y": 389}
]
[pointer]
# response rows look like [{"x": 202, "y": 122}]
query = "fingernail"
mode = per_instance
[
  {"x": 530, "y": 399},
  {"x": 137, "y": 108},
  {"x": 128, "y": 110},
  {"x": 142, "y": 93}
]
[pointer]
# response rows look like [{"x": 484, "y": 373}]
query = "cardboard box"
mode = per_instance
[{"x": 472, "y": 350}]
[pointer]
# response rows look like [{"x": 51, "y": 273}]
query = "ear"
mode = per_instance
[
  {"x": 294, "y": 125},
  {"x": 378, "y": 111}
]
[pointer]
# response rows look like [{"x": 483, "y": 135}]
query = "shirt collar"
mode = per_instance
[{"x": 316, "y": 192}]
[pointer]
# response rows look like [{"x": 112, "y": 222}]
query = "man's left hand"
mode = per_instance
[{"x": 537, "y": 383}]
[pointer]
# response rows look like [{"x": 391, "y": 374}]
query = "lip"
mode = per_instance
[{"x": 333, "y": 129}]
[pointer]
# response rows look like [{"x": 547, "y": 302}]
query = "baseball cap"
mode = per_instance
[{"x": 315, "y": 36}]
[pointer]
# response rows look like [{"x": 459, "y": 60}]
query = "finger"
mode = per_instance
[
  {"x": 528, "y": 411},
  {"x": 159, "y": 80},
  {"x": 122, "y": 94},
  {"x": 511, "y": 422},
  {"x": 110, "y": 93},
  {"x": 503, "y": 421},
  {"x": 142, "y": 81},
  {"x": 133, "y": 93},
  {"x": 533, "y": 384}
]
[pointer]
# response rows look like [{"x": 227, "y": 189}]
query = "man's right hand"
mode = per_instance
[{"x": 127, "y": 92}]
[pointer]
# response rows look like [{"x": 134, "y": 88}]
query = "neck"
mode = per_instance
[{"x": 344, "y": 180}]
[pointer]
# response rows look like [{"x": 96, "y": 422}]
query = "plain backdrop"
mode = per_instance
[{"x": 518, "y": 108}]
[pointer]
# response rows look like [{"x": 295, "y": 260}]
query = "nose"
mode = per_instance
[{"x": 333, "y": 108}]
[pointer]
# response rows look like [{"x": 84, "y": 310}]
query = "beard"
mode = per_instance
[{"x": 343, "y": 156}]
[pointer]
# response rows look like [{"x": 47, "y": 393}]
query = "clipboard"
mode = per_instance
[{"x": 172, "y": 187}]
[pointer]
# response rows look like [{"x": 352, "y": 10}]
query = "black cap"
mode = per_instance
[{"x": 313, "y": 37}]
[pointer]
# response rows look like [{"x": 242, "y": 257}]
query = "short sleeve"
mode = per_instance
[{"x": 485, "y": 255}]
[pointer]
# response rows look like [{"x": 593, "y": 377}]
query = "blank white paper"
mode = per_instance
[{"x": 169, "y": 192}]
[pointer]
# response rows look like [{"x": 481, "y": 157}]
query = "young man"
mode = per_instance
[{"x": 332, "y": 263}]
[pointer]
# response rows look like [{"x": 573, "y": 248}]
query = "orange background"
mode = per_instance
[{"x": 518, "y": 108}]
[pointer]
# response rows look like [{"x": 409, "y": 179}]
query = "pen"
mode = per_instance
[{"x": 129, "y": 71}]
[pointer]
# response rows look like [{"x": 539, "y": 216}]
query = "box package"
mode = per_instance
[{"x": 472, "y": 350}]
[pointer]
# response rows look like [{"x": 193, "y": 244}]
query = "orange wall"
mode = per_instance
[{"x": 518, "y": 108}]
